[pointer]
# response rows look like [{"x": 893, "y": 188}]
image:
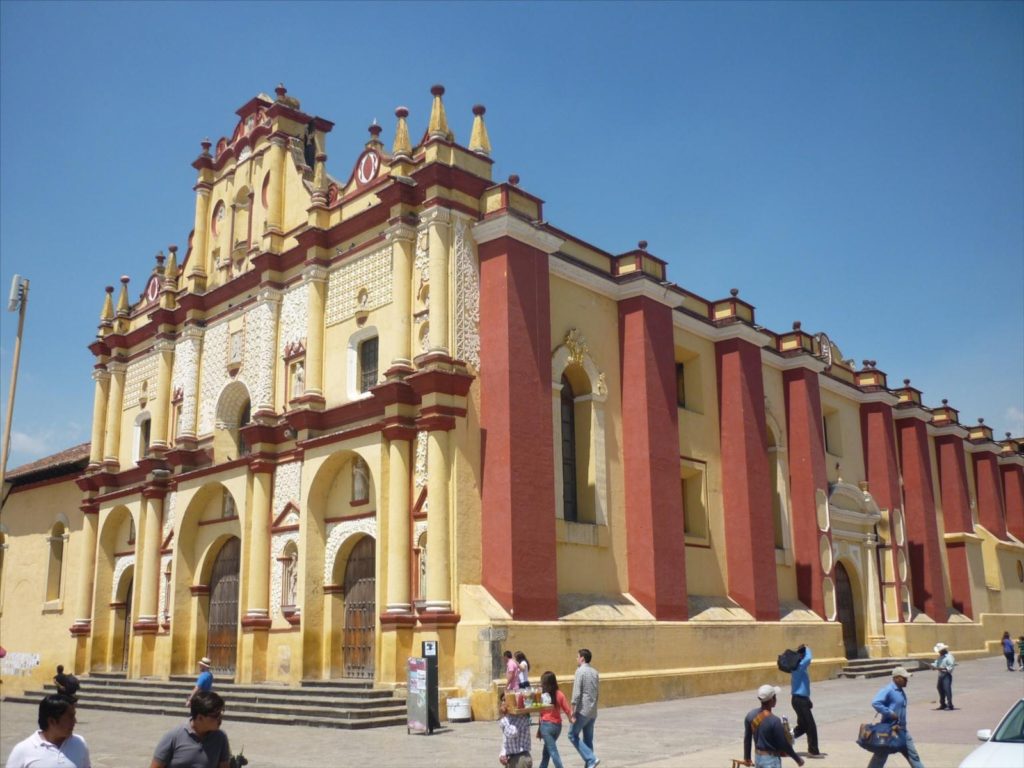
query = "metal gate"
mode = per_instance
[
  {"x": 126, "y": 629},
  {"x": 222, "y": 631},
  {"x": 360, "y": 610},
  {"x": 845, "y": 612}
]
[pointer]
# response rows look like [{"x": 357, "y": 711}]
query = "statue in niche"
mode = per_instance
[
  {"x": 360, "y": 480},
  {"x": 290, "y": 582},
  {"x": 298, "y": 380}
]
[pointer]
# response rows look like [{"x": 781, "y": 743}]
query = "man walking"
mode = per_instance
[
  {"x": 54, "y": 743},
  {"x": 584, "y": 709},
  {"x": 204, "y": 682},
  {"x": 891, "y": 704},
  {"x": 944, "y": 664},
  {"x": 199, "y": 742},
  {"x": 800, "y": 685},
  {"x": 765, "y": 733}
]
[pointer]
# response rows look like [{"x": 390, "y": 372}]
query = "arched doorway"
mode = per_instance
[
  {"x": 845, "y": 613},
  {"x": 360, "y": 587},
  {"x": 126, "y": 624},
  {"x": 222, "y": 631}
]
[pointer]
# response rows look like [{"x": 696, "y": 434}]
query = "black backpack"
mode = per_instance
[
  {"x": 71, "y": 685},
  {"x": 789, "y": 660}
]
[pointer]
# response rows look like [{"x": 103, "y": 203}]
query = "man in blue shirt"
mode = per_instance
[
  {"x": 891, "y": 704},
  {"x": 204, "y": 682},
  {"x": 800, "y": 688}
]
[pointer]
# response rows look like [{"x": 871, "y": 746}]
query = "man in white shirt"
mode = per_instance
[{"x": 54, "y": 745}]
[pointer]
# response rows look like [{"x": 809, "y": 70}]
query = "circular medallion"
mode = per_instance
[
  {"x": 367, "y": 167},
  {"x": 153, "y": 289}
]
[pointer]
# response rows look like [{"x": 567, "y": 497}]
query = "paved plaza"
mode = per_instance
[{"x": 704, "y": 732}]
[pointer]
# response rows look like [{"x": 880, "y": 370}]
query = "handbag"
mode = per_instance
[{"x": 885, "y": 737}]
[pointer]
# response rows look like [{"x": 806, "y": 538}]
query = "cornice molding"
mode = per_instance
[
  {"x": 507, "y": 225},
  {"x": 912, "y": 412},
  {"x": 779, "y": 362},
  {"x": 947, "y": 430}
]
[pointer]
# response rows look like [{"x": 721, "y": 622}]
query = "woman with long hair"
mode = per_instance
[
  {"x": 551, "y": 720},
  {"x": 524, "y": 669}
]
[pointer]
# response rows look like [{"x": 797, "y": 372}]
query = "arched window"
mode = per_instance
[
  {"x": 55, "y": 568},
  {"x": 569, "y": 508},
  {"x": 362, "y": 363}
]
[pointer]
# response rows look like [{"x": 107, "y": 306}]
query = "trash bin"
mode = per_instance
[{"x": 459, "y": 711}]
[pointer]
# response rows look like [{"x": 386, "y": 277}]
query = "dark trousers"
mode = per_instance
[
  {"x": 805, "y": 722},
  {"x": 945, "y": 686}
]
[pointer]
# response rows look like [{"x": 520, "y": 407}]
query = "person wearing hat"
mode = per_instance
[
  {"x": 891, "y": 704},
  {"x": 205, "y": 680},
  {"x": 944, "y": 664},
  {"x": 766, "y": 733}
]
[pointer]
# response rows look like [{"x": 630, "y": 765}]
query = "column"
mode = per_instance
[
  {"x": 956, "y": 514},
  {"x": 83, "y": 605},
  {"x": 1012, "y": 470},
  {"x": 162, "y": 402},
  {"x": 990, "y": 497},
  {"x": 922, "y": 526},
  {"x": 399, "y": 532},
  {"x": 656, "y": 547},
  {"x": 316, "y": 279},
  {"x": 439, "y": 590},
  {"x": 198, "y": 264},
  {"x": 99, "y": 415},
  {"x": 115, "y": 403},
  {"x": 275, "y": 194},
  {"x": 149, "y": 567},
  {"x": 518, "y": 485},
  {"x": 874, "y": 629},
  {"x": 808, "y": 478},
  {"x": 438, "y": 236},
  {"x": 403, "y": 239},
  {"x": 257, "y": 614},
  {"x": 879, "y": 441},
  {"x": 746, "y": 484},
  {"x": 188, "y": 358}
]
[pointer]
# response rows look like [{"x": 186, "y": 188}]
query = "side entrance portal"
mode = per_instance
[
  {"x": 222, "y": 635},
  {"x": 360, "y": 610}
]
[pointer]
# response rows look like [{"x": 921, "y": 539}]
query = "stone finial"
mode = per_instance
[
  {"x": 1009, "y": 435},
  {"x": 438, "y": 126},
  {"x": 160, "y": 262},
  {"x": 513, "y": 179},
  {"x": 374, "y": 130},
  {"x": 945, "y": 402},
  {"x": 797, "y": 325},
  {"x": 642, "y": 245},
  {"x": 107, "y": 313},
  {"x": 281, "y": 91},
  {"x": 402, "y": 146},
  {"x": 123, "y": 307},
  {"x": 734, "y": 292},
  {"x": 171, "y": 270},
  {"x": 981, "y": 420},
  {"x": 906, "y": 382},
  {"x": 206, "y": 144},
  {"x": 479, "y": 141}
]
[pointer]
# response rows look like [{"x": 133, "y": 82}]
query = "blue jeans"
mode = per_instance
[
  {"x": 767, "y": 761},
  {"x": 945, "y": 686},
  {"x": 585, "y": 746},
  {"x": 549, "y": 733},
  {"x": 879, "y": 758}
]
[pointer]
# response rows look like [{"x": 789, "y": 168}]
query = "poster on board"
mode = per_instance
[{"x": 416, "y": 717}]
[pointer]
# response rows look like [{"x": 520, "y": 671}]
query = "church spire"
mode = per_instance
[
  {"x": 402, "y": 147},
  {"x": 438, "y": 127}
]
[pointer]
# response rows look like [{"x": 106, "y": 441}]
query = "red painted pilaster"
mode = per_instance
[
  {"x": 650, "y": 448},
  {"x": 807, "y": 475},
  {"x": 876, "y": 423},
  {"x": 746, "y": 485},
  {"x": 923, "y": 546},
  {"x": 956, "y": 514},
  {"x": 1013, "y": 495},
  {"x": 990, "y": 496},
  {"x": 518, "y": 495}
]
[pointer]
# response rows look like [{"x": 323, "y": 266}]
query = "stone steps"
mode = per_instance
[
  {"x": 324, "y": 703},
  {"x": 865, "y": 668}
]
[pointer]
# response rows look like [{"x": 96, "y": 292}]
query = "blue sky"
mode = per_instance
[{"x": 856, "y": 166}]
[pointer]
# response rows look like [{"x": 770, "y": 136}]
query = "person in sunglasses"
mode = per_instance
[{"x": 199, "y": 742}]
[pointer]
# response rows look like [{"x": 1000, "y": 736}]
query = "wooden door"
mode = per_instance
[
  {"x": 845, "y": 613},
  {"x": 126, "y": 628},
  {"x": 360, "y": 610},
  {"x": 222, "y": 632}
]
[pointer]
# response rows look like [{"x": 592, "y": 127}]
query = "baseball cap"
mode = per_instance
[
  {"x": 766, "y": 692},
  {"x": 901, "y": 672}
]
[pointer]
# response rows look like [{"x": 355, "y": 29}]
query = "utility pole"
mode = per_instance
[{"x": 18, "y": 301}]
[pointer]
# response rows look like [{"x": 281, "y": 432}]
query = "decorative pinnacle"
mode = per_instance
[
  {"x": 171, "y": 271},
  {"x": 402, "y": 147},
  {"x": 734, "y": 292},
  {"x": 981, "y": 420},
  {"x": 438, "y": 120},
  {"x": 159, "y": 259},
  {"x": 107, "y": 313},
  {"x": 797, "y": 325},
  {"x": 1009, "y": 435},
  {"x": 375, "y": 130},
  {"x": 906, "y": 382},
  {"x": 206, "y": 144},
  {"x": 281, "y": 91},
  {"x": 513, "y": 179},
  {"x": 642, "y": 245},
  {"x": 123, "y": 306},
  {"x": 945, "y": 401},
  {"x": 479, "y": 141}
]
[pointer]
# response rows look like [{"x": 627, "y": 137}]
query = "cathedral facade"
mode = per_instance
[{"x": 354, "y": 414}]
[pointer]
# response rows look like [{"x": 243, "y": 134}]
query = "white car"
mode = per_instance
[{"x": 1003, "y": 747}]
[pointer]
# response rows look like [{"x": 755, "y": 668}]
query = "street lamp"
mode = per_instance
[{"x": 16, "y": 303}]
